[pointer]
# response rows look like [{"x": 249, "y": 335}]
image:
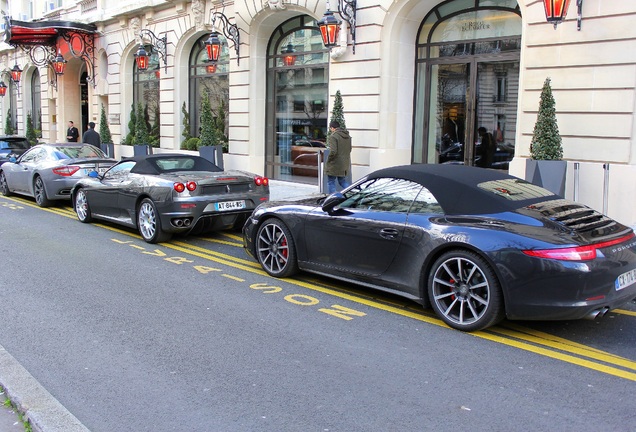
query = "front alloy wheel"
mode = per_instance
[
  {"x": 81, "y": 207},
  {"x": 464, "y": 291},
  {"x": 149, "y": 223},
  {"x": 275, "y": 249}
]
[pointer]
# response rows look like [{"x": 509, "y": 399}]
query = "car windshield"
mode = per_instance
[
  {"x": 86, "y": 151},
  {"x": 14, "y": 144}
]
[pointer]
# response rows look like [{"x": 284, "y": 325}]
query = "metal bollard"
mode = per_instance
[
  {"x": 576, "y": 181},
  {"x": 606, "y": 167}
]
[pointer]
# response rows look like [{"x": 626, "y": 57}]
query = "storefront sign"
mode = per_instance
[{"x": 475, "y": 25}]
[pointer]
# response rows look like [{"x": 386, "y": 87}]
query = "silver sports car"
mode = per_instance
[
  {"x": 163, "y": 194},
  {"x": 48, "y": 172}
]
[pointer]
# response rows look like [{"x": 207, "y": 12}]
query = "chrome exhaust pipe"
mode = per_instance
[
  {"x": 187, "y": 222},
  {"x": 178, "y": 222},
  {"x": 598, "y": 313}
]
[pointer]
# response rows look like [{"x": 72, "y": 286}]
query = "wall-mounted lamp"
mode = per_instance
[
  {"x": 16, "y": 74},
  {"x": 289, "y": 56},
  {"x": 3, "y": 88},
  {"x": 230, "y": 31},
  {"x": 556, "y": 10},
  {"x": 329, "y": 25},
  {"x": 160, "y": 45},
  {"x": 59, "y": 64}
]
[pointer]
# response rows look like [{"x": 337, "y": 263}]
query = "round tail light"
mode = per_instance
[
  {"x": 191, "y": 186},
  {"x": 179, "y": 187}
]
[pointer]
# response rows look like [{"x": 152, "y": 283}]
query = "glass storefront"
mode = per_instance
[
  {"x": 467, "y": 84},
  {"x": 297, "y": 97}
]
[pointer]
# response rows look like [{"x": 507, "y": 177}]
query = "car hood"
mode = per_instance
[{"x": 234, "y": 176}]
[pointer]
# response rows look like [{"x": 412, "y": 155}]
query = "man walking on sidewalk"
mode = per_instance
[{"x": 339, "y": 159}]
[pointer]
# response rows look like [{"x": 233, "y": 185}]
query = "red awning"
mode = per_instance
[{"x": 41, "y": 32}]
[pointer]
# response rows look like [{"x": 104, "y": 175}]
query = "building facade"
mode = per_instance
[{"x": 417, "y": 78}]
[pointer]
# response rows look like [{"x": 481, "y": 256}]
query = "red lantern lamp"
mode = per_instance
[
  {"x": 3, "y": 88},
  {"x": 59, "y": 64},
  {"x": 211, "y": 68},
  {"x": 556, "y": 10},
  {"x": 329, "y": 27},
  {"x": 16, "y": 73},
  {"x": 289, "y": 58},
  {"x": 213, "y": 47},
  {"x": 142, "y": 59}
]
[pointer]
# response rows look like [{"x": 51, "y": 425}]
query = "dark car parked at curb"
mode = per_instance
[
  {"x": 477, "y": 245},
  {"x": 47, "y": 172},
  {"x": 162, "y": 194},
  {"x": 12, "y": 146}
]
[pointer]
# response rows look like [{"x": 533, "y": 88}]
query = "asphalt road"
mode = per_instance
[{"x": 191, "y": 335}]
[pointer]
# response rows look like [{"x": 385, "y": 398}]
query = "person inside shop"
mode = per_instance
[
  {"x": 91, "y": 136},
  {"x": 72, "y": 134},
  {"x": 486, "y": 148}
]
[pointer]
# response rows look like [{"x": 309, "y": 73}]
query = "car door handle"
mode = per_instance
[{"x": 389, "y": 233}]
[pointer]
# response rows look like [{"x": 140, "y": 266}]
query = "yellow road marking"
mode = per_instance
[{"x": 511, "y": 335}]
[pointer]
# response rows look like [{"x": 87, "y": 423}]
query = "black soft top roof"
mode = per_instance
[
  {"x": 457, "y": 189},
  {"x": 147, "y": 164}
]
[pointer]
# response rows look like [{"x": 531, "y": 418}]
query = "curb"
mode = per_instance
[{"x": 38, "y": 406}]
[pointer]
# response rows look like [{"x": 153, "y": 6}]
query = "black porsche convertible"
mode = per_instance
[
  {"x": 162, "y": 194},
  {"x": 477, "y": 245}
]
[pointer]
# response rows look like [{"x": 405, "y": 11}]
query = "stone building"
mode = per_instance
[{"x": 416, "y": 77}]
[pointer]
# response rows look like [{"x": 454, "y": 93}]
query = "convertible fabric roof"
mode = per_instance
[
  {"x": 147, "y": 164},
  {"x": 456, "y": 187}
]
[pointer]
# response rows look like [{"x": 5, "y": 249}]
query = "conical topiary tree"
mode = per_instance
[
  {"x": 104, "y": 130},
  {"x": 186, "y": 123},
  {"x": 8, "y": 125},
  {"x": 337, "y": 112},
  {"x": 209, "y": 133},
  {"x": 30, "y": 130},
  {"x": 132, "y": 125},
  {"x": 546, "y": 141},
  {"x": 141, "y": 128}
]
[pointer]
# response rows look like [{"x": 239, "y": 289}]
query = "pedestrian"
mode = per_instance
[
  {"x": 72, "y": 134},
  {"x": 487, "y": 148},
  {"x": 339, "y": 159},
  {"x": 91, "y": 136}
]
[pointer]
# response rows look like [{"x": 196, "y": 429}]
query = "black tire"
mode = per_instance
[
  {"x": 275, "y": 249},
  {"x": 4, "y": 186},
  {"x": 39, "y": 192},
  {"x": 149, "y": 223},
  {"x": 82, "y": 209},
  {"x": 464, "y": 291}
]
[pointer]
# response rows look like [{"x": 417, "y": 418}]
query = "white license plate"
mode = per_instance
[
  {"x": 229, "y": 205},
  {"x": 625, "y": 280}
]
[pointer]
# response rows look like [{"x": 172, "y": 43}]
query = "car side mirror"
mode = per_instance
[
  {"x": 93, "y": 174},
  {"x": 332, "y": 201},
  {"x": 12, "y": 159}
]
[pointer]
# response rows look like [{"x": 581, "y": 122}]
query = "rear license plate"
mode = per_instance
[
  {"x": 229, "y": 205},
  {"x": 625, "y": 280}
]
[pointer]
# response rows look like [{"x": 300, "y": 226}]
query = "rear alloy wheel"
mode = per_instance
[
  {"x": 4, "y": 186},
  {"x": 275, "y": 249},
  {"x": 40, "y": 193},
  {"x": 464, "y": 291},
  {"x": 81, "y": 207},
  {"x": 149, "y": 223}
]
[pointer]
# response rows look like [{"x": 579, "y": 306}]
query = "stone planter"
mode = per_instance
[{"x": 549, "y": 174}]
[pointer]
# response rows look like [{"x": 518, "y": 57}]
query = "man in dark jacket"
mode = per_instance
[
  {"x": 91, "y": 136},
  {"x": 339, "y": 160},
  {"x": 72, "y": 134}
]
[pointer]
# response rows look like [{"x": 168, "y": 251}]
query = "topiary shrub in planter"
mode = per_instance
[{"x": 546, "y": 167}]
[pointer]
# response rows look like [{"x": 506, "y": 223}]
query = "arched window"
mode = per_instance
[
  {"x": 467, "y": 77},
  {"x": 297, "y": 99},
  {"x": 146, "y": 92},
  {"x": 207, "y": 80}
]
